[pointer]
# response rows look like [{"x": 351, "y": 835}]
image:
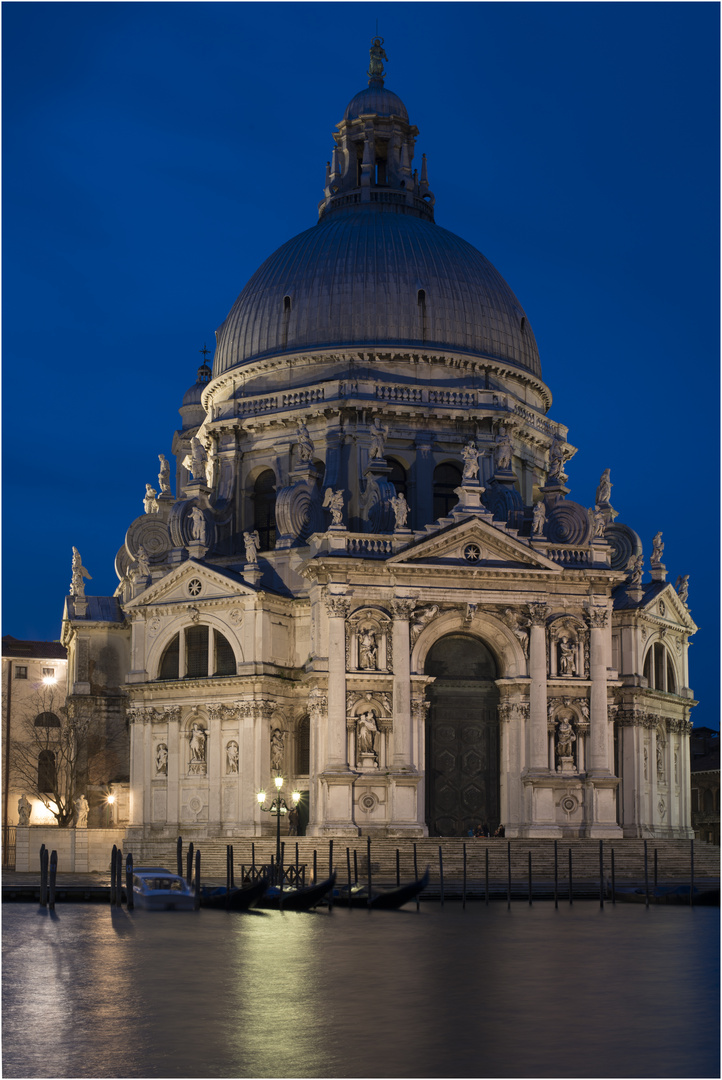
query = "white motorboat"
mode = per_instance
[{"x": 156, "y": 889}]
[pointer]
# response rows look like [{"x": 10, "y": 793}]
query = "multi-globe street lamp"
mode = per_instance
[{"x": 278, "y": 807}]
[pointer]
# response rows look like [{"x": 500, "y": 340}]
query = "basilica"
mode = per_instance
[{"x": 364, "y": 573}]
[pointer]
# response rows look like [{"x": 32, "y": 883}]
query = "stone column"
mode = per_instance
[
  {"x": 214, "y": 751},
  {"x": 175, "y": 765},
  {"x": 138, "y": 720},
  {"x": 403, "y": 748},
  {"x": 599, "y": 723},
  {"x": 538, "y": 746},
  {"x": 336, "y": 746}
]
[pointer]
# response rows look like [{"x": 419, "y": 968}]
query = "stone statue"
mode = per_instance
[
  {"x": 400, "y": 508},
  {"x": 77, "y": 585},
  {"x": 198, "y": 525},
  {"x": 365, "y": 732},
  {"x": 24, "y": 810},
  {"x": 367, "y": 650},
  {"x": 142, "y": 563},
  {"x": 161, "y": 759},
  {"x": 539, "y": 516},
  {"x": 212, "y": 466},
  {"x": 377, "y": 55},
  {"x": 597, "y": 522},
  {"x": 635, "y": 570},
  {"x": 657, "y": 551},
  {"x": 646, "y": 764},
  {"x": 521, "y": 633},
  {"x": 305, "y": 443},
  {"x": 81, "y": 812},
  {"x": 379, "y": 433},
  {"x": 334, "y": 501},
  {"x": 252, "y": 543},
  {"x": 556, "y": 462},
  {"x": 195, "y": 462},
  {"x": 277, "y": 750},
  {"x": 682, "y": 587},
  {"x": 197, "y": 740},
  {"x": 565, "y": 738},
  {"x": 232, "y": 757},
  {"x": 604, "y": 491},
  {"x": 164, "y": 475},
  {"x": 149, "y": 503},
  {"x": 567, "y": 657},
  {"x": 503, "y": 450},
  {"x": 423, "y": 616},
  {"x": 660, "y": 761},
  {"x": 470, "y": 455}
]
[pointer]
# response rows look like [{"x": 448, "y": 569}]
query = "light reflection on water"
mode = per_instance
[{"x": 578, "y": 992}]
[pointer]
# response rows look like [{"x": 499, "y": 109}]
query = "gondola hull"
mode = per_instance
[
  {"x": 388, "y": 900},
  {"x": 297, "y": 899},
  {"x": 239, "y": 900}
]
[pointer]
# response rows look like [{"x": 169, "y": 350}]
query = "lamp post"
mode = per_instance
[{"x": 277, "y": 807}]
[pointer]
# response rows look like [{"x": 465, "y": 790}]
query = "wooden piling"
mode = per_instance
[
  {"x": 614, "y": 893},
  {"x": 348, "y": 873},
  {"x": 441, "y": 873},
  {"x": 655, "y": 868},
  {"x": 230, "y": 852},
  {"x": 463, "y": 887},
  {"x": 179, "y": 856},
  {"x": 486, "y": 877},
  {"x": 129, "y": 899},
  {"x": 112, "y": 876},
  {"x": 355, "y": 865},
  {"x": 571, "y": 883},
  {"x": 556, "y": 876},
  {"x": 253, "y": 860},
  {"x": 646, "y": 876},
  {"x": 197, "y": 901},
  {"x": 315, "y": 869},
  {"x": 119, "y": 879},
  {"x": 368, "y": 859},
  {"x": 508, "y": 875},
  {"x": 416, "y": 875},
  {"x": 691, "y": 873},
  {"x": 530, "y": 879},
  {"x": 280, "y": 868},
  {"x": 330, "y": 857},
  {"x": 601, "y": 873},
  {"x": 44, "y": 857},
  {"x": 398, "y": 870},
  {"x": 228, "y": 877},
  {"x": 51, "y": 880},
  {"x": 189, "y": 864}
]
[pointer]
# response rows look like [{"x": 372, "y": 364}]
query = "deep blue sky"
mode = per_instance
[{"x": 155, "y": 154}]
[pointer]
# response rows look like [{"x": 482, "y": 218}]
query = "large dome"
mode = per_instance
[{"x": 367, "y": 276}]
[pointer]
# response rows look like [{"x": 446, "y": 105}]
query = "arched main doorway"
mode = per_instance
[{"x": 462, "y": 737}]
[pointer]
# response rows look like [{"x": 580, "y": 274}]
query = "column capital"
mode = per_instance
[
  {"x": 538, "y": 614},
  {"x": 337, "y": 607},
  {"x": 403, "y": 608},
  {"x": 598, "y": 617}
]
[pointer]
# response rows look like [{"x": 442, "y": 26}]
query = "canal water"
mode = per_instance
[{"x": 90, "y": 991}]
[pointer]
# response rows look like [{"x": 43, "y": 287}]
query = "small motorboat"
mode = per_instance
[
  {"x": 297, "y": 899},
  {"x": 238, "y": 900},
  {"x": 388, "y": 900},
  {"x": 156, "y": 889}
]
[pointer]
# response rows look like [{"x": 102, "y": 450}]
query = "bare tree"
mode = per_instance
[{"x": 63, "y": 751}]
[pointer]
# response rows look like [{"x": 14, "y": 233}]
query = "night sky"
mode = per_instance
[{"x": 155, "y": 154}]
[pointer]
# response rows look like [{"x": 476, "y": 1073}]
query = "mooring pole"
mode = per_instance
[
  {"x": 556, "y": 877},
  {"x": 281, "y": 858},
  {"x": 416, "y": 876},
  {"x": 315, "y": 868},
  {"x": 530, "y": 879},
  {"x": 601, "y": 873},
  {"x": 228, "y": 877},
  {"x": 348, "y": 874},
  {"x": 129, "y": 881},
  {"x": 368, "y": 860},
  {"x": 112, "y": 876},
  {"x": 571, "y": 888},
  {"x": 179, "y": 855},
  {"x": 691, "y": 873},
  {"x": 486, "y": 876},
  {"x": 398, "y": 871},
  {"x": 43, "y": 880},
  {"x": 646, "y": 876},
  {"x": 330, "y": 857},
  {"x": 197, "y": 901},
  {"x": 355, "y": 865},
  {"x": 51, "y": 880},
  {"x": 441, "y": 873},
  {"x": 253, "y": 861},
  {"x": 189, "y": 864},
  {"x": 463, "y": 888},
  {"x": 614, "y": 889},
  {"x": 119, "y": 895},
  {"x": 655, "y": 868},
  {"x": 508, "y": 875}
]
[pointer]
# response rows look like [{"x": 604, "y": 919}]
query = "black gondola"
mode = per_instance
[
  {"x": 239, "y": 900},
  {"x": 298, "y": 899},
  {"x": 388, "y": 900}
]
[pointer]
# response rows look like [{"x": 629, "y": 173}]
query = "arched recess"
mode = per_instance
[
  {"x": 206, "y": 649},
  {"x": 462, "y": 736},
  {"x": 659, "y": 668},
  {"x": 447, "y": 477},
  {"x": 264, "y": 509}
]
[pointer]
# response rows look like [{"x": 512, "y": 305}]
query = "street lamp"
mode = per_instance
[{"x": 278, "y": 807}]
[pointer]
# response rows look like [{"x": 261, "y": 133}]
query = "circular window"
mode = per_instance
[
  {"x": 472, "y": 552},
  {"x": 194, "y": 587},
  {"x": 662, "y": 608}
]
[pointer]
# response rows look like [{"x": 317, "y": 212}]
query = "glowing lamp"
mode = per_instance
[
  {"x": 296, "y": 796},
  {"x": 278, "y": 781},
  {"x": 261, "y": 796}
]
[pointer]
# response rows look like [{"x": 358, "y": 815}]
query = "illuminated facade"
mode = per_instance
[{"x": 371, "y": 578}]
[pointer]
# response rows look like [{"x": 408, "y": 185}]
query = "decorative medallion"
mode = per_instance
[
  {"x": 368, "y": 802},
  {"x": 472, "y": 553},
  {"x": 195, "y": 587}
]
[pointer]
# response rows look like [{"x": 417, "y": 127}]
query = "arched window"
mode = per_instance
[
  {"x": 47, "y": 719},
  {"x": 659, "y": 669},
  {"x": 46, "y": 772},
  {"x": 446, "y": 477},
  {"x": 303, "y": 747},
  {"x": 197, "y": 655},
  {"x": 264, "y": 504},
  {"x": 399, "y": 478}
]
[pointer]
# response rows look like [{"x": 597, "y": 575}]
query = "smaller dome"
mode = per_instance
[
  {"x": 376, "y": 99},
  {"x": 192, "y": 396}
]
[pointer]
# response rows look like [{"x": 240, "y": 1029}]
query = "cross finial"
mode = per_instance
[{"x": 205, "y": 350}]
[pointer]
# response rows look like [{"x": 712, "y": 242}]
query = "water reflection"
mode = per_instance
[{"x": 485, "y": 992}]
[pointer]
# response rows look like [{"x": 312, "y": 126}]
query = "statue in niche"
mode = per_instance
[
  {"x": 198, "y": 525},
  {"x": 24, "y": 810},
  {"x": 379, "y": 433},
  {"x": 81, "y": 812},
  {"x": 366, "y": 729},
  {"x": 164, "y": 475},
  {"x": 141, "y": 561},
  {"x": 470, "y": 454},
  {"x": 556, "y": 462},
  {"x": 305, "y": 443},
  {"x": 149, "y": 503},
  {"x": 657, "y": 551},
  {"x": 195, "y": 462},
  {"x": 252, "y": 542},
  {"x": 333, "y": 500},
  {"x": 367, "y": 650},
  {"x": 604, "y": 490},
  {"x": 77, "y": 585},
  {"x": 377, "y": 57},
  {"x": 682, "y": 587},
  {"x": 635, "y": 570},
  {"x": 400, "y": 508},
  {"x": 161, "y": 759},
  {"x": 660, "y": 761},
  {"x": 597, "y": 522},
  {"x": 646, "y": 764},
  {"x": 539, "y": 517},
  {"x": 567, "y": 657},
  {"x": 197, "y": 740},
  {"x": 276, "y": 750},
  {"x": 565, "y": 738},
  {"x": 503, "y": 450},
  {"x": 232, "y": 757}
]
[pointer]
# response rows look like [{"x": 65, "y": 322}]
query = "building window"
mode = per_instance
[
  {"x": 659, "y": 669},
  {"x": 264, "y": 506},
  {"x": 446, "y": 478},
  {"x": 225, "y": 658},
  {"x": 196, "y": 652},
  {"x": 169, "y": 660},
  {"x": 21, "y": 672},
  {"x": 46, "y": 772},
  {"x": 47, "y": 720},
  {"x": 303, "y": 747},
  {"x": 48, "y": 672},
  {"x": 197, "y": 655}
]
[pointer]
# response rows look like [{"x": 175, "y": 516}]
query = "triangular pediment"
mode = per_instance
[
  {"x": 457, "y": 545},
  {"x": 665, "y": 604},
  {"x": 192, "y": 582}
]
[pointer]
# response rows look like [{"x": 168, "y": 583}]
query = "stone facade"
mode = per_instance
[{"x": 483, "y": 648}]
